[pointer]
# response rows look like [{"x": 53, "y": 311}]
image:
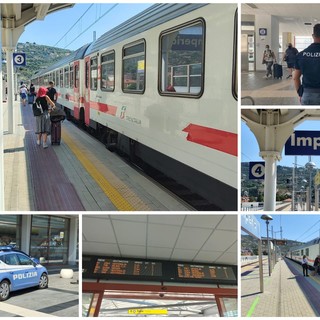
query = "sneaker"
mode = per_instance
[
  {"x": 270, "y": 75},
  {"x": 265, "y": 77},
  {"x": 38, "y": 142},
  {"x": 45, "y": 145}
]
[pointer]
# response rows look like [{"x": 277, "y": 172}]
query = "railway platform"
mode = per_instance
[
  {"x": 287, "y": 293},
  {"x": 255, "y": 89},
  {"x": 80, "y": 174}
]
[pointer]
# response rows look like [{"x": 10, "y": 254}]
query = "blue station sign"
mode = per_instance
[
  {"x": 303, "y": 143},
  {"x": 256, "y": 170}
]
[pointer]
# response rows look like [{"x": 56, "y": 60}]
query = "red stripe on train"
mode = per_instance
[{"x": 216, "y": 139}]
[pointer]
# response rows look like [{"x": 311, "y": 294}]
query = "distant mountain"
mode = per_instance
[
  {"x": 37, "y": 57},
  {"x": 253, "y": 189}
]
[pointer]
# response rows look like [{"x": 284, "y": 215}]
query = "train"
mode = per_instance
[
  {"x": 311, "y": 249},
  {"x": 161, "y": 88}
]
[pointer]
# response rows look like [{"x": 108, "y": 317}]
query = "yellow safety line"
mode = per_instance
[{"x": 112, "y": 193}]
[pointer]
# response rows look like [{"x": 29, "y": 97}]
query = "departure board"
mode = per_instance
[
  {"x": 127, "y": 267},
  {"x": 206, "y": 272}
]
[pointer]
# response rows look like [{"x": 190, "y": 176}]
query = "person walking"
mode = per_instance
[
  {"x": 43, "y": 123},
  {"x": 52, "y": 92},
  {"x": 268, "y": 59},
  {"x": 290, "y": 58},
  {"x": 24, "y": 94},
  {"x": 304, "y": 263},
  {"x": 316, "y": 265},
  {"x": 307, "y": 66}
]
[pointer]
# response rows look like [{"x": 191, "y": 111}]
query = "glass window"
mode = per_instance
[
  {"x": 87, "y": 75},
  {"x": 10, "y": 230},
  {"x": 11, "y": 259},
  {"x": 71, "y": 77},
  {"x": 133, "y": 76},
  {"x": 107, "y": 71},
  {"x": 94, "y": 73},
  {"x": 77, "y": 75},
  {"x": 56, "y": 80},
  {"x": 50, "y": 238},
  {"x": 24, "y": 260},
  {"x": 61, "y": 78},
  {"x": 66, "y": 77},
  {"x": 182, "y": 56}
]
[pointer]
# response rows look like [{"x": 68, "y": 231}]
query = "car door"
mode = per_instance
[{"x": 30, "y": 273}]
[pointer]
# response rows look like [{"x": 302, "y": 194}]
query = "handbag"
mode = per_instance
[
  {"x": 57, "y": 114},
  {"x": 37, "y": 109}
]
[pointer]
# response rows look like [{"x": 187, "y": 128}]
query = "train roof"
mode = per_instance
[
  {"x": 147, "y": 19},
  {"x": 306, "y": 244},
  {"x": 75, "y": 55}
]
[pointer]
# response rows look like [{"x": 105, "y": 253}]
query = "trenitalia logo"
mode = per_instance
[{"x": 27, "y": 275}]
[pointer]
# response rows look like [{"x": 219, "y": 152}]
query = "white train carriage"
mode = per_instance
[
  {"x": 311, "y": 249},
  {"x": 162, "y": 88}
]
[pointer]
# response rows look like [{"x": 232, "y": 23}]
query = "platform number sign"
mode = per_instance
[
  {"x": 19, "y": 59},
  {"x": 256, "y": 170}
]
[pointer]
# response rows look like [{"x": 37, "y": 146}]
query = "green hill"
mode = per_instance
[{"x": 37, "y": 57}]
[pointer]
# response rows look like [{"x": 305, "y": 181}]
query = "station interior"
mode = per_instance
[{"x": 279, "y": 24}]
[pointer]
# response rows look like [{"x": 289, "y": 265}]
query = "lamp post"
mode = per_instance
[
  {"x": 310, "y": 165},
  {"x": 267, "y": 218}
]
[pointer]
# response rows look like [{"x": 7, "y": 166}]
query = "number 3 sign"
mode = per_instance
[
  {"x": 19, "y": 59},
  {"x": 256, "y": 170}
]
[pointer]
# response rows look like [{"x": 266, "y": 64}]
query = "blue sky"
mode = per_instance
[
  {"x": 250, "y": 149},
  {"x": 301, "y": 227},
  {"x": 50, "y": 30}
]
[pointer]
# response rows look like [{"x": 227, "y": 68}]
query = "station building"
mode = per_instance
[{"x": 53, "y": 239}]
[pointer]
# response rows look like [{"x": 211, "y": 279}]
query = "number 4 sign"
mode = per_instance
[{"x": 256, "y": 170}]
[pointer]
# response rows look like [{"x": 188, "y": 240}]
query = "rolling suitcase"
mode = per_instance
[
  {"x": 277, "y": 71},
  {"x": 30, "y": 98},
  {"x": 55, "y": 132}
]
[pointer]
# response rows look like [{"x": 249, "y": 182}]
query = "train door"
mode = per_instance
[
  {"x": 84, "y": 115},
  {"x": 76, "y": 85}
]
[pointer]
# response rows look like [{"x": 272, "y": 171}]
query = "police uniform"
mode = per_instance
[{"x": 308, "y": 62}]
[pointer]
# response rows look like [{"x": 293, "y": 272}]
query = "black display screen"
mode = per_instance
[
  {"x": 198, "y": 271},
  {"x": 128, "y": 267},
  {"x": 104, "y": 267}
]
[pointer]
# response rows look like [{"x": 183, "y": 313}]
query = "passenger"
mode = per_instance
[
  {"x": 32, "y": 93},
  {"x": 52, "y": 92},
  {"x": 171, "y": 88},
  {"x": 290, "y": 58},
  {"x": 24, "y": 94},
  {"x": 43, "y": 123},
  {"x": 308, "y": 66},
  {"x": 316, "y": 265},
  {"x": 268, "y": 59},
  {"x": 304, "y": 263}
]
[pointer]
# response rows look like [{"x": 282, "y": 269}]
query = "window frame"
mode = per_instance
[
  {"x": 90, "y": 73},
  {"x": 160, "y": 65},
  {"x": 114, "y": 69},
  {"x": 126, "y": 46}
]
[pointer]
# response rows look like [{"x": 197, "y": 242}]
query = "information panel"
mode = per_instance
[
  {"x": 205, "y": 272},
  {"x": 128, "y": 267}
]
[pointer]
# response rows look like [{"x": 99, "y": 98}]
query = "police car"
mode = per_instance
[{"x": 19, "y": 271}]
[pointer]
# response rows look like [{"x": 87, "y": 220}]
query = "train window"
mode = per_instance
[
  {"x": 76, "y": 75},
  {"x": 94, "y": 73},
  {"x": 61, "y": 77},
  {"x": 87, "y": 75},
  {"x": 71, "y": 77},
  {"x": 182, "y": 57},
  {"x": 107, "y": 71},
  {"x": 133, "y": 66},
  {"x": 307, "y": 252},
  {"x": 66, "y": 77},
  {"x": 235, "y": 60},
  {"x": 56, "y": 80}
]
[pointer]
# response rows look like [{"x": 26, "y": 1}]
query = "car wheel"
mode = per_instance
[
  {"x": 4, "y": 290},
  {"x": 43, "y": 282}
]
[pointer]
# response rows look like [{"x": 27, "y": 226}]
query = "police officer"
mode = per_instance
[{"x": 308, "y": 65}]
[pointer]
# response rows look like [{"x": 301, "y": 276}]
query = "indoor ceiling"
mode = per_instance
[
  {"x": 198, "y": 238},
  {"x": 292, "y": 17}
]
